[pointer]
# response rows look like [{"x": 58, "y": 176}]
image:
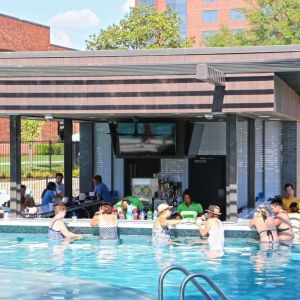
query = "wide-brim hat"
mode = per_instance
[
  {"x": 214, "y": 209},
  {"x": 163, "y": 207}
]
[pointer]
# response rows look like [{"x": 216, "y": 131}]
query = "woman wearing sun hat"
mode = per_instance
[
  {"x": 161, "y": 233},
  {"x": 264, "y": 225},
  {"x": 214, "y": 228}
]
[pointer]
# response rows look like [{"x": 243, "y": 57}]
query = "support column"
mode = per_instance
[
  {"x": 15, "y": 165},
  {"x": 251, "y": 163},
  {"x": 68, "y": 130},
  {"x": 231, "y": 167},
  {"x": 86, "y": 150}
]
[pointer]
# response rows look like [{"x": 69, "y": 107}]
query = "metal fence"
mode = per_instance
[{"x": 39, "y": 162}]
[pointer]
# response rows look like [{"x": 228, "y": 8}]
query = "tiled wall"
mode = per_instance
[
  {"x": 259, "y": 156},
  {"x": 103, "y": 152},
  {"x": 272, "y": 158},
  {"x": 242, "y": 163}
]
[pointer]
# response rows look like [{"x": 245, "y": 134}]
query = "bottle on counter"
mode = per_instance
[
  {"x": 142, "y": 215},
  {"x": 129, "y": 215},
  {"x": 135, "y": 214},
  {"x": 155, "y": 214},
  {"x": 121, "y": 215},
  {"x": 149, "y": 215}
]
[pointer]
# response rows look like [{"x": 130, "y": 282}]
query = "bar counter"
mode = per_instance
[{"x": 136, "y": 227}]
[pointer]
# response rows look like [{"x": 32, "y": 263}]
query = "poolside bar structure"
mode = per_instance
[{"x": 244, "y": 104}]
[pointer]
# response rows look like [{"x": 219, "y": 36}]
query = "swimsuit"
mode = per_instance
[
  {"x": 161, "y": 235},
  {"x": 55, "y": 234},
  {"x": 108, "y": 232}
]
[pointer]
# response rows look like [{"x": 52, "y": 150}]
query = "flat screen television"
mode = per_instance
[{"x": 145, "y": 139}]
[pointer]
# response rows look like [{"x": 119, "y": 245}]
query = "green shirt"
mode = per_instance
[{"x": 196, "y": 207}]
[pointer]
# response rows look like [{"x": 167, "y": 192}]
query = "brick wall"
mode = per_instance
[{"x": 22, "y": 35}]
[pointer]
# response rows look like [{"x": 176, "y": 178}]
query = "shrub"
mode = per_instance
[{"x": 46, "y": 149}]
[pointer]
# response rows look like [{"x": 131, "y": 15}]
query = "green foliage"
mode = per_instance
[
  {"x": 76, "y": 172},
  {"x": 143, "y": 28},
  {"x": 47, "y": 149},
  {"x": 30, "y": 129},
  {"x": 272, "y": 22}
]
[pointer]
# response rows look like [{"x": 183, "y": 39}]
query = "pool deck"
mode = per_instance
[{"x": 23, "y": 225}]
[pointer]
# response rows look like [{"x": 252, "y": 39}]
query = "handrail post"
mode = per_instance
[
  {"x": 206, "y": 278},
  {"x": 183, "y": 270}
]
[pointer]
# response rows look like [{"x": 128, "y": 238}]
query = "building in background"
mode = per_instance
[
  {"x": 202, "y": 18},
  {"x": 22, "y": 35}
]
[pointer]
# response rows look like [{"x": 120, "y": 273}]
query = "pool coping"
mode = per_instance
[{"x": 239, "y": 229}]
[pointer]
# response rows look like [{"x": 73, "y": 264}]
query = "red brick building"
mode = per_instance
[
  {"x": 202, "y": 18},
  {"x": 22, "y": 35}
]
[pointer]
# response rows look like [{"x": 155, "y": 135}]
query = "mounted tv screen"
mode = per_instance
[{"x": 146, "y": 139}]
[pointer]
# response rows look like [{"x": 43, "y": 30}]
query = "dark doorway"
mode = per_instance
[
  {"x": 207, "y": 181},
  {"x": 139, "y": 168}
]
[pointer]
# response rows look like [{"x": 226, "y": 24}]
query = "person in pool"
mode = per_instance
[
  {"x": 213, "y": 227},
  {"x": 57, "y": 228},
  {"x": 161, "y": 233},
  {"x": 282, "y": 221},
  {"x": 107, "y": 222},
  {"x": 264, "y": 225},
  {"x": 294, "y": 216}
]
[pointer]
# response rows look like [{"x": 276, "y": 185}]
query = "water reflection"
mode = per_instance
[{"x": 268, "y": 263}]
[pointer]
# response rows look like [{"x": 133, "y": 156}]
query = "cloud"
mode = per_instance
[
  {"x": 83, "y": 18},
  {"x": 127, "y": 4},
  {"x": 61, "y": 39}
]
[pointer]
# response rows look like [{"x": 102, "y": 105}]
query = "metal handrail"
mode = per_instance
[
  {"x": 206, "y": 278},
  {"x": 186, "y": 272}
]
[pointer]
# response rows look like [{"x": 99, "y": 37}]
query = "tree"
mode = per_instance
[
  {"x": 272, "y": 22},
  {"x": 30, "y": 130},
  {"x": 143, "y": 28}
]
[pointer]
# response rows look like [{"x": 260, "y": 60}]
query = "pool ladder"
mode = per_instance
[{"x": 188, "y": 277}]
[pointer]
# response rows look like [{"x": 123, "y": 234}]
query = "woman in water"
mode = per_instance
[
  {"x": 107, "y": 222},
  {"x": 161, "y": 233},
  {"x": 264, "y": 225},
  {"x": 57, "y": 228}
]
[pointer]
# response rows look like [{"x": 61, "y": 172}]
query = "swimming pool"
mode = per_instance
[{"x": 85, "y": 269}]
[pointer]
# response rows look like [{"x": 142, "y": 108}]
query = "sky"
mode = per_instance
[{"x": 71, "y": 21}]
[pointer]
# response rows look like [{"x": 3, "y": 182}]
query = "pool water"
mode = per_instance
[{"x": 33, "y": 268}]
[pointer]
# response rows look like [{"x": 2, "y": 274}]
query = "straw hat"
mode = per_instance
[
  {"x": 162, "y": 207},
  {"x": 214, "y": 209}
]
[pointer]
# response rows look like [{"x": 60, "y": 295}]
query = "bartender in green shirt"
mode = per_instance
[
  {"x": 188, "y": 208},
  {"x": 129, "y": 201}
]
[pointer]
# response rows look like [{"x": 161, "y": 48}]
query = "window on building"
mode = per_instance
[
  {"x": 209, "y": 16},
  {"x": 180, "y": 7},
  {"x": 147, "y": 2},
  {"x": 237, "y": 14},
  {"x": 209, "y": 1}
]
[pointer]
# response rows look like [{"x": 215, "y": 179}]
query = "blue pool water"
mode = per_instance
[{"x": 33, "y": 268}]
